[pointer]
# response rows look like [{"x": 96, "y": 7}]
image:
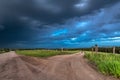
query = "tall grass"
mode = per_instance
[
  {"x": 107, "y": 63},
  {"x": 43, "y": 53}
]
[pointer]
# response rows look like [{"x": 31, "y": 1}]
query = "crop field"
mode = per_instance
[
  {"x": 43, "y": 53},
  {"x": 107, "y": 63}
]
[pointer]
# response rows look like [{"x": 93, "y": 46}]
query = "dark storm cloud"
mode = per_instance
[
  {"x": 50, "y": 11},
  {"x": 14, "y": 31},
  {"x": 56, "y": 21}
]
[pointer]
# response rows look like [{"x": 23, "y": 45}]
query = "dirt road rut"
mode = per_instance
[{"x": 64, "y": 67}]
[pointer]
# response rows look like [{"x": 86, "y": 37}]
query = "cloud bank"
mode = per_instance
[{"x": 63, "y": 23}]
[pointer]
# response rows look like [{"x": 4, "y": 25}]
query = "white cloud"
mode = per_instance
[
  {"x": 82, "y": 5},
  {"x": 73, "y": 39}
]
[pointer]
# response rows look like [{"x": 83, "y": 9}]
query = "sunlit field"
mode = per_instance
[
  {"x": 107, "y": 63},
  {"x": 43, "y": 53}
]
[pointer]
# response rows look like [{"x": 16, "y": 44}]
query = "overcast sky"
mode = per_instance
[{"x": 59, "y": 23}]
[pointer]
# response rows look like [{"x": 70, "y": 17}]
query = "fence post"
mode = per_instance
[
  {"x": 113, "y": 50},
  {"x": 96, "y": 48}
]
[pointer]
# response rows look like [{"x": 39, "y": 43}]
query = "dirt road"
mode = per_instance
[{"x": 64, "y": 67}]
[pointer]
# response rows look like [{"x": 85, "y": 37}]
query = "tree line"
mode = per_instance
[
  {"x": 100, "y": 49},
  {"x": 2, "y": 50},
  {"x": 103, "y": 49}
]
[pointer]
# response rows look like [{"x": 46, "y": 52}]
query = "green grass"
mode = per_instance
[
  {"x": 43, "y": 53},
  {"x": 108, "y": 64}
]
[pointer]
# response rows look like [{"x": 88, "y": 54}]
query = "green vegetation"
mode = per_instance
[
  {"x": 3, "y": 50},
  {"x": 103, "y": 49},
  {"x": 43, "y": 53},
  {"x": 107, "y": 63}
]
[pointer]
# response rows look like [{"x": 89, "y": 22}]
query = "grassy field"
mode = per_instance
[
  {"x": 108, "y": 64},
  {"x": 43, "y": 53}
]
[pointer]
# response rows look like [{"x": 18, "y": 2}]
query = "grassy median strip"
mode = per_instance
[
  {"x": 43, "y": 53},
  {"x": 108, "y": 64}
]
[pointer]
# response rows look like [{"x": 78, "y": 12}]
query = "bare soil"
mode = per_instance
[{"x": 62, "y": 67}]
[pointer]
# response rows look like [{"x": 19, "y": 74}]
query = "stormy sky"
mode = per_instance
[{"x": 59, "y": 23}]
